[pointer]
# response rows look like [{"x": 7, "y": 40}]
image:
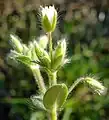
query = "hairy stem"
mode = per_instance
[
  {"x": 52, "y": 75},
  {"x": 75, "y": 84},
  {"x": 50, "y": 45},
  {"x": 54, "y": 113},
  {"x": 39, "y": 80},
  {"x": 52, "y": 78}
]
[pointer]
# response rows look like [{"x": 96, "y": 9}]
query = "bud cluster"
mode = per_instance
[{"x": 28, "y": 53}]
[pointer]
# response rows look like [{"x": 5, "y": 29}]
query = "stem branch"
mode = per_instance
[
  {"x": 75, "y": 84},
  {"x": 38, "y": 79},
  {"x": 50, "y": 45}
]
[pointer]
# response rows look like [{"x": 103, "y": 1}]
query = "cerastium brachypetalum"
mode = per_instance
[{"x": 37, "y": 57}]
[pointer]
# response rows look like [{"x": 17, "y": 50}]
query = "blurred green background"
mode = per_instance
[{"x": 85, "y": 24}]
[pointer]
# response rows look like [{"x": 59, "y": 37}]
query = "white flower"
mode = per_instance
[{"x": 49, "y": 18}]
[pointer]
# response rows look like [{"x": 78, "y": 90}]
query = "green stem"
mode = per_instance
[
  {"x": 50, "y": 45},
  {"x": 75, "y": 84},
  {"x": 54, "y": 113},
  {"x": 52, "y": 75},
  {"x": 52, "y": 78},
  {"x": 38, "y": 78}
]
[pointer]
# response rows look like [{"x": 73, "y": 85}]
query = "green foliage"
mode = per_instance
[
  {"x": 88, "y": 50},
  {"x": 55, "y": 96}
]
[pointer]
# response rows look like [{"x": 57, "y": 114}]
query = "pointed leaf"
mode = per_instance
[{"x": 24, "y": 59}]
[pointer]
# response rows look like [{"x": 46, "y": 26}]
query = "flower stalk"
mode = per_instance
[
  {"x": 75, "y": 84},
  {"x": 50, "y": 45},
  {"x": 39, "y": 79},
  {"x": 52, "y": 78},
  {"x": 54, "y": 113}
]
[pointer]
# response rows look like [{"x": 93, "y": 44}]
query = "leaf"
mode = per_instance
[
  {"x": 56, "y": 95},
  {"x": 24, "y": 59}
]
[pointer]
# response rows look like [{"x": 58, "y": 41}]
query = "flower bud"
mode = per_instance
[
  {"x": 59, "y": 55},
  {"x": 38, "y": 49},
  {"x": 16, "y": 43},
  {"x": 43, "y": 41},
  {"x": 49, "y": 18},
  {"x": 95, "y": 85},
  {"x": 34, "y": 56},
  {"x": 25, "y": 49},
  {"x": 31, "y": 52},
  {"x": 42, "y": 55}
]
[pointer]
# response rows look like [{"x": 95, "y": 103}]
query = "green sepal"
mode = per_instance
[
  {"x": 42, "y": 55},
  {"x": 57, "y": 63},
  {"x": 46, "y": 24},
  {"x": 45, "y": 59},
  {"x": 16, "y": 44},
  {"x": 25, "y": 49},
  {"x": 59, "y": 55},
  {"x": 24, "y": 59},
  {"x": 43, "y": 41},
  {"x": 54, "y": 22},
  {"x": 11, "y": 58},
  {"x": 34, "y": 56},
  {"x": 55, "y": 96},
  {"x": 29, "y": 54}
]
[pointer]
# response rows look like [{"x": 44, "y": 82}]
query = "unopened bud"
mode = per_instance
[
  {"x": 42, "y": 55},
  {"x": 59, "y": 55},
  {"x": 32, "y": 52},
  {"x": 49, "y": 18},
  {"x": 38, "y": 49},
  {"x": 43, "y": 41},
  {"x": 95, "y": 85},
  {"x": 25, "y": 49},
  {"x": 16, "y": 44}
]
